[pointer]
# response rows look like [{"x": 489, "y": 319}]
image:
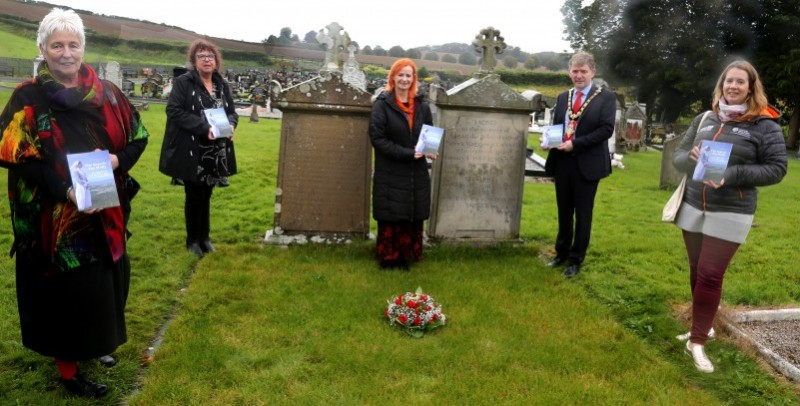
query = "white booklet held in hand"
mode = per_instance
[
  {"x": 93, "y": 180},
  {"x": 712, "y": 162},
  {"x": 219, "y": 123},
  {"x": 552, "y": 135},
  {"x": 429, "y": 139}
]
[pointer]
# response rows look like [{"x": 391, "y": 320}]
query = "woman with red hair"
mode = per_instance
[{"x": 401, "y": 185}]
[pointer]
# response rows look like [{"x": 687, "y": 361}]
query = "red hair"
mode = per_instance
[{"x": 396, "y": 67}]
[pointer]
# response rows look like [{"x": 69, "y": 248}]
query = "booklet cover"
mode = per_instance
[
  {"x": 93, "y": 180},
  {"x": 219, "y": 123},
  {"x": 429, "y": 139},
  {"x": 552, "y": 135},
  {"x": 712, "y": 161}
]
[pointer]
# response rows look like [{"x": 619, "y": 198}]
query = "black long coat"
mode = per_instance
[
  {"x": 187, "y": 129},
  {"x": 401, "y": 185}
]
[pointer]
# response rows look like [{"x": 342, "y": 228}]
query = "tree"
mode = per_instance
[
  {"x": 310, "y": 37},
  {"x": 671, "y": 50},
  {"x": 656, "y": 48},
  {"x": 510, "y": 62},
  {"x": 380, "y": 51},
  {"x": 555, "y": 64},
  {"x": 467, "y": 58},
  {"x": 423, "y": 72},
  {"x": 367, "y": 50},
  {"x": 431, "y": 56},
  {"x": 286, "y": 37},
  {"x": 413, "y": 54},
  {"x": 272, "y": 40},
  {"x": 449, "y": 58},
  {"x": 778, "y": 60},
  {"x": 397, "y": 51},
  {"x": 532, "y": 62},
  {"x": 591, "y": 28}
]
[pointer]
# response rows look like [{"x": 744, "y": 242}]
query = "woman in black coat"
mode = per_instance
[
  {"x": 401, "y": 187},
  {"x": 190, "y": 153}
]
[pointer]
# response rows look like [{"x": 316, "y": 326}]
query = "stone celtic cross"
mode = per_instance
[
  {"x": 489, "y": 42},
  {"x": 336, "y": 40}
]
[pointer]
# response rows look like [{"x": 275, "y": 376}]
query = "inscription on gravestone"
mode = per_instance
[{"x": 477, "y": 184}]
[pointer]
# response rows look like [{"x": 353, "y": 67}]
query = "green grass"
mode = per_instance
[{"x": 257, "y": 324}]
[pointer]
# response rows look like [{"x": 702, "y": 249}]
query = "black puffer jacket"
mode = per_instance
[
  {"x": 758, "y": 158},
  {"x": 401, "y": 185},
  {"x": 187, "y": 127}
]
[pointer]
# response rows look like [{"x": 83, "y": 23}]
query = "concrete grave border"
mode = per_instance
[{"x": 778, "y": 362}]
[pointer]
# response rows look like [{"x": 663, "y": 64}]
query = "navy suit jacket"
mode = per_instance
[{"x": 590, "y": 145}]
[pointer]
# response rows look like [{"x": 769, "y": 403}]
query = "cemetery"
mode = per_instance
[{"x": 290, "y": 308}]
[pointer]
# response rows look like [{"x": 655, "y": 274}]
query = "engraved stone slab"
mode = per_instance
[
  {"x": 670, "y": 176},
  {"x": 479, "y": 177},
  {"x": 324, "y": 167},
  {"x": 114, "y": 73}
]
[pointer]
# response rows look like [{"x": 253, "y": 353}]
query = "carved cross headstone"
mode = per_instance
[
  {"x": 489, "y": 42},
  {"x": 336, "y": 40}
]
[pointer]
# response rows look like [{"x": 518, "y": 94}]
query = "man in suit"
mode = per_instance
[{"x": 587, "y": 114}]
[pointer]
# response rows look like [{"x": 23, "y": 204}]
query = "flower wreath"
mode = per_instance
[{"x": 416, "y": 312}]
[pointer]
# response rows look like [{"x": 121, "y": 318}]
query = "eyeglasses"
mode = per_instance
[{"x": 206, "y": 57}]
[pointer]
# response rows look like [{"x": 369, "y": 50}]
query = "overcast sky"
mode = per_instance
[{"x": 534, "y": 26}]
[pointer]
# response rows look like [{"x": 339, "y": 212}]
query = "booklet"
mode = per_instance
[
  {"x": 429, "y": 139},
  {"x": 219, "y": 123},
  {"x": 713, "y": 161},
  {"x": 93, "y": 180},
  {"x": 552, "y": 135}
]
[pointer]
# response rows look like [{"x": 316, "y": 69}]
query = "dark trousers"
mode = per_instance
[
  {"x": 197, "y": 211},
  {"x": 575, "y": 200},
  {"x": 709, "y": 258}
]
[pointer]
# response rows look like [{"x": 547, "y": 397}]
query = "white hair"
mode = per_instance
[{"x": 60, "y": 20}]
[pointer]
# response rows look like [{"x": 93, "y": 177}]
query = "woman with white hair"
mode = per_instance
[{"x": 72, "y": 268}]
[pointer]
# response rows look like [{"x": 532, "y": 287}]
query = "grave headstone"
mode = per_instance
[
  {"x": 36, "y": 63},
  {"x": 635, "y": 126},
  {"x": 479, "y": 176},
  {"x": 670, "y": 176},
  {"x": 113, "y": 73},
  {"x": 324, "y": 167}
]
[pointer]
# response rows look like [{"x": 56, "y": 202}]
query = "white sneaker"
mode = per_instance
[
  {"x": 701, "y": 361},
  {"x": 685, "y": 337}
]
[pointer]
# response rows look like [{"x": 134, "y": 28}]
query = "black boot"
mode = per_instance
[
  {"x": 207, "y": 246},
  {"x": 81, "y": 385},
  {"x": 107, "y": 361},
  {"x": 194, "y": 248}
]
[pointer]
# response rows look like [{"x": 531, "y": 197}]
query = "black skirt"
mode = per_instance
[{"x": 74, "y": 315}]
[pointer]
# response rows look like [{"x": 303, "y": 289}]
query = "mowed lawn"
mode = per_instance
[{"x": 258, "y": 324}]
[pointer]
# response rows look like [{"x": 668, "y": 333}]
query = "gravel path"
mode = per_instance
[{"x": 782, "y": 337}]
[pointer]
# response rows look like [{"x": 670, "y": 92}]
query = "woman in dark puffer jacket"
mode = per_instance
[
  {"x": 401, "y": 188},
  {"x": 716, "y": 217}
]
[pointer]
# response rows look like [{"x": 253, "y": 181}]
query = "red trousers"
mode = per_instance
[{"x": 709, "y": 258}]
